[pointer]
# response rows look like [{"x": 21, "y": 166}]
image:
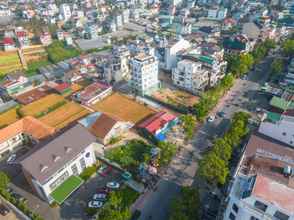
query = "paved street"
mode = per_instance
[{"x": 243, "y": 96}]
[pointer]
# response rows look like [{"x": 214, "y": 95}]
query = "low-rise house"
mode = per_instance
[
  {"x": 62, "y": 88},
  {"x": 46, "y": 39},
  {"x": 32, "y": 95},
  {"x": 238, "y": 43},
  {"x": 14, "y": 85},
  {"x": 158, "y": 125},
  {"x": 53, "y": 169},
  {"x": 93, "y": 93},
  {"x": 262, "y": 186},
  {"x": 21, "y": 132},
  {"x": 22, "y": 37},
  {"x": 8, "y": 44},
  {"x": 105, "y": 127}
]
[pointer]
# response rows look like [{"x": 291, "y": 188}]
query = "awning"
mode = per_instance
[{"x": 62, "y": 192}]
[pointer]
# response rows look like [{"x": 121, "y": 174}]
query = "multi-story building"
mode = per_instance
[
  {"x": 22, "y": 37},
  {"x": 4, "y": 11},
  {"x": 144, "y": 79},
  {"x": 53, "y": 169},
  {"x": 189, "y": 75},
  {"x": 120, "y": 68},
  {"x": 263, "y": 184},
  {"x": 65, "y": 11}
]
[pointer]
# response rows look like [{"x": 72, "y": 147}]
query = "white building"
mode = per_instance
[
  {"x": 59, "y": 163},
  {"x": 120, "y": 67},
  {"x": 263, "y": 184},
  {"x": 170, "y": 55},
  {"x": 282, "y": 130},
  {"x": 144, "y": 79},
  {"x": 65, "y": 11},
  {"x": 190, "y": 76},
  {"x": 4, "y": 11},
  {"x": 126, "y": 15}
]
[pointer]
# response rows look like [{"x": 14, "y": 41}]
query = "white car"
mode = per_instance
[
  {"x": 113, "y": 185},
  {"x": 11, "y": 159},
  {"x": 95, "y": 204},
  {"x": 211, "y": 118},
  {"x": 100, "y": 197}
]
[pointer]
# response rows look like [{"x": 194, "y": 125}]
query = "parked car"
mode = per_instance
[
  {"x": 95, "y": 204},
  {"x": 11, "y": 159},
  {"x": 126, "y": 175},
  {"x": 113, "y": 185},
  {"x": 100, "y": 197},
  {"x": 211, "y": 118},
  {"x": 3, "y": 210},
  {"x": 221, "y": 114},
  {"x": 104, "y": 170}
]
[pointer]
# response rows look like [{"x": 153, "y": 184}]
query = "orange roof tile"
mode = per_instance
[{"x": 28, "y": 125}]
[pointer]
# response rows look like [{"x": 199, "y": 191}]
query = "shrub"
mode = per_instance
[{"x": 88, "y": 172}]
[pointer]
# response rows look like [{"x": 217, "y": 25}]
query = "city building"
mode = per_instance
[
  {"x": 120, "y": 67},
  {"x": 22, "y": 37},
  {"x": 5, "y": 11},
  {"x": 46, "y": 38},
  {"x": 262, "y": 185},
  {"x": 189, "y": 75},
  {"x": 158, "y": 125},
  {"x": 22, "y": 132},
  {"x": 8, "y": 44},
  {"x": 53, "y": 169},
  {"x": 65, "y": 11},
  {"x": 144, "y": 79},
  {"x": 282, "y": 130},
  {"x": 93, "y": 93}
]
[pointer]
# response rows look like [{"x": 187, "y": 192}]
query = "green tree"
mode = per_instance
[
  {"x": 168, "y": 150},
  {"x": 288, "y": 47},
  {"x": 189, "y": 123},
  {"x": 4, "y": 180},
  {"x": 213, "y": 169},
  {"x": 223, "y": 149},
  {"x": 277, "y": 66}
]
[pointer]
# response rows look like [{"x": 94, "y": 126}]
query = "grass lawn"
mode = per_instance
[
  {"x": 41, "y": 105},
  {"x": 63, "y": 191},
  {"x": 123, "y": 107},
  {"x": 128, "y": 196},
  {"x": 58, "y": 51},
  {"x": 64, "y": 115},
  {"x": 9, "y": 61},
  {"x": 8, "y": 117}
]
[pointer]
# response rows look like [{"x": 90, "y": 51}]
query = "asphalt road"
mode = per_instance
[{"x": 243, "y": 96}]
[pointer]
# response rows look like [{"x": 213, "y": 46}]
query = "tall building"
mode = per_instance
[
  {"x": 144, "y": 78},
  {"x": 263, "y": 184},
  {"x": 65, "y": 11}
]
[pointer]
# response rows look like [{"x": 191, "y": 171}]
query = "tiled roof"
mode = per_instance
[
  {"x": 156, "y": 121},
  {"x": 66, "y": 147},
  {"x": 28, "y": 125},
  {"x": 103, "y": 125}
]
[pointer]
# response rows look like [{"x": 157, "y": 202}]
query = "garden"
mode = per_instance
[
  {"x": 8, "y": 117},
  {"x": 58, "y": 51},
  {"x": 9, "y": 62}
]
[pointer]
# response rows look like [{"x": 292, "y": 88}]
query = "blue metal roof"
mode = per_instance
[{"x": 90, "y": 119}]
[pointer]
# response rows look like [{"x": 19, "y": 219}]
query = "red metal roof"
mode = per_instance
[
  {"x": 21, "y": 34},
  {"x": 8, "y": 40},
  {"x": 156, "y": 121}
]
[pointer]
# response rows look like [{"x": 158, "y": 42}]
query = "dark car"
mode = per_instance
[
  {"x": 221, "y": 114},
  {"x": 3, "y": 210}
]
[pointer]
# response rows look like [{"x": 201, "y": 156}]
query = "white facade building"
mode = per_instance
[
  {"x": 144, "y": 79},
  {"x": 190, "y": 76},
  {"x": 62, "y": 159},
  {"x": 282, "y": 130},
  {"x": 262, "y": 186},
  {"x": 65, "y": 11},
  {"x": 170, "y": 59},
  {"x": 4, "y": 11}
]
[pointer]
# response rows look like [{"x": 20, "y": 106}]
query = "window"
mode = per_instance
[
  {"x": 281, "y": 216},
  {"x": 253, "y": 218},
  {"x": 88, "y": 154},
  {"x": 235, "y": 208},
  {"x": 261, "y": 206},
  {"x": 284, "y": 133},
  {"x": 59, "y": 180},
  {"x": 74, "y": 169},
  {"x": 232, "y": 216},
  {"x": 83, "y": 163}
]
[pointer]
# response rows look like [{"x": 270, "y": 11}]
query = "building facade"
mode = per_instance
[
  {"x": 144, "y": 79},
  {"x": 59, "y": 161}
]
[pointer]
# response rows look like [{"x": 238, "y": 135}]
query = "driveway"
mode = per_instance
[{"x": 243, "y": 96}]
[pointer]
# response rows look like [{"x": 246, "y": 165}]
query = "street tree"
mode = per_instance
[{"x": 4, "y": 180}]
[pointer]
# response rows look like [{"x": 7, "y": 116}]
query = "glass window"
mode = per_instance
[
  {"x": 281, "y": 216},
  {"x": 261, "y": 206},
  {"x": 232, "y": 216},
  {"x": 59, "y": 180},
  {"x": 74, "y": 169},
  {"x": 82, "y": 163},
  {"x": 235, "y": 208}
]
